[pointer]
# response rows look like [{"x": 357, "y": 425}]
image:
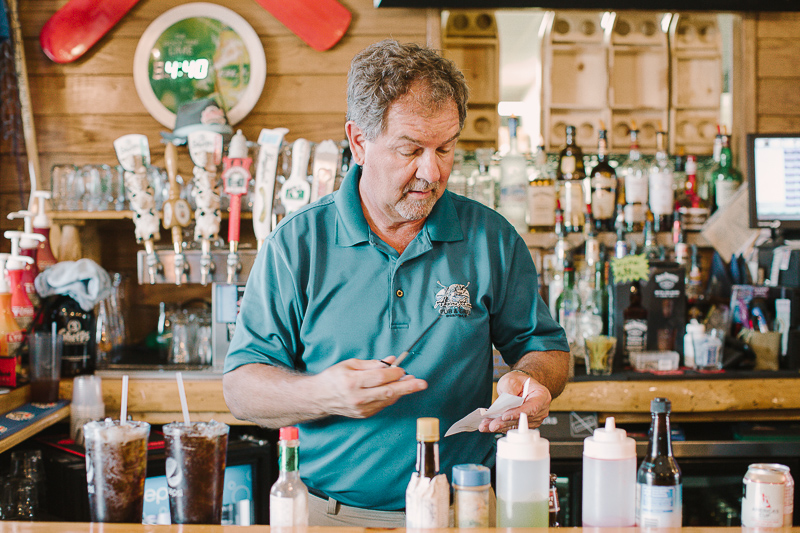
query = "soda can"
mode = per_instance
[
  {"x": 764, "y": 496},
  {"x": 788, "y": 500}
]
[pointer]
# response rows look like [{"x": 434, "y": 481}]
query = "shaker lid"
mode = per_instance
[
  {"x": 470, "y": 475},
  {"x": 523, "y": 444},
  {"x": 609, "y": 442}
]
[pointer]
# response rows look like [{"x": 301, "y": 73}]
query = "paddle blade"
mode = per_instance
[
  {"x": 78, "y": 25},
  {"x": 319, "y": 23}
]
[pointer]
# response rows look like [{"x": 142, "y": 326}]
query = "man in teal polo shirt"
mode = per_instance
[{"x": 344, "y": 285}]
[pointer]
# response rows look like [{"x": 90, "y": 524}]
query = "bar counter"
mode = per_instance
[
  {"x": 81, "y": 527},
  {"x": 719, "y": 398}
]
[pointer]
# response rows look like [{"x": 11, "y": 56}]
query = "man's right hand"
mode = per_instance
[
  {"x": 358, "y": 388},
  {"x": 272, "y": 396}
]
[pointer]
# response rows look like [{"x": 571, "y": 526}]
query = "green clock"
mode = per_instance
[{"x": 196, "y": 51}]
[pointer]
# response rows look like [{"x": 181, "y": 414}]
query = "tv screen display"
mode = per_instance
[{"x": 774, "y": 180}]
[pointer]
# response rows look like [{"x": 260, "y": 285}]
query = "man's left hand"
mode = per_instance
[{"x": 536, "y": 404}]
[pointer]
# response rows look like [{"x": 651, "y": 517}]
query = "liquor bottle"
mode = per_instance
[
  {"x": 659, "y": 485},
  {"x": 726, "y": 178},
  {"x": 554, "y": 506},
  {"x": 692, "y": 208},
  {"x": 604, "y": 187},
  {"x": 634, "y": 325},
  {"x": 568, "y": 306},
  {"x": 288, "y": 497},
  {"x": 457, "y": 182},
  {"x": 556, "y": 285},
  {"x": 679, "y": 170},
  {"x": 694, "y": 286},
  {"x": 651, "y": 251},
  {"x": 513, "y": 198},
  {"x": 620, "y": 246},
  {"x": 591, "y": 321},
  {"x": 662, "y": 193},
  {"x": 428, "y": 493},
  {"x": 541, "y": 195},
  {"x": 633, "y": 172},
  {"x": 680, "y": 248},
  {"x": 77, "y": 328},
  {"x": 483, "y": 187},
  {"x": 571, "y": 174}
]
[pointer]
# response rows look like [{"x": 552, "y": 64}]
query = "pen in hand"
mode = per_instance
[{"x": 405, "y": 353}]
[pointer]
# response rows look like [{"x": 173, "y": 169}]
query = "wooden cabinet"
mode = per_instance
[
  {"x": 470, "y": 40},
  {"x": 617, "y": 69}
]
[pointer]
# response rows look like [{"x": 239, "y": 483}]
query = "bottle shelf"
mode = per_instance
[
  {"x": 545, "y": 240},
  {"x": 66, "y": 216}
]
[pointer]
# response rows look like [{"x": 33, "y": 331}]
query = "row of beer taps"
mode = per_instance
[{"x": 206, "y": 150}]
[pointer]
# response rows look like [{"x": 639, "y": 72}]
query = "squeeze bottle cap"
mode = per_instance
[
  {"x": 238, "y": 147},
  {"x": 288, "y": 433},
  {"x": 41, "y": 220},
  {"x": 695, "y": 328},
  {"x": 523, "y": 444},
  {"x": 609, "y": 442},
  {"x": 428, "y": 429}
]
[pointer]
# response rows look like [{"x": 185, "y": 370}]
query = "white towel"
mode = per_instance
[{"x": 83, "y": 280}]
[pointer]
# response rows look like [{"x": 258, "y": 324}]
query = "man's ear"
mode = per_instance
[{"x": 358, "y": 142}]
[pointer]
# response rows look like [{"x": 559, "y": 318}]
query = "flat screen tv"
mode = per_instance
[{"x": 774, "y": 181}]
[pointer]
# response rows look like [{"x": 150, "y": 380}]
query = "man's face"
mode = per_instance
[{"x": 405, "y": 170}]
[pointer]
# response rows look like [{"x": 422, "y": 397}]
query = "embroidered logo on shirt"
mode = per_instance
[{"x": 453, "y": 300}]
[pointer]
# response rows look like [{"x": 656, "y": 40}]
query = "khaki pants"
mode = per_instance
[{"x": 331, "y": 513}]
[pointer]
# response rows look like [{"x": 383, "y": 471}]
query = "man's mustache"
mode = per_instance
[{"x": 419, "y": 185}]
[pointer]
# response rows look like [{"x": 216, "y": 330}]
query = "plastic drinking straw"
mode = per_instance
[
  {"x": 123, "y": 410},
  {"x": 182, "y": 393},
  {"x": 53, "y": 343}
]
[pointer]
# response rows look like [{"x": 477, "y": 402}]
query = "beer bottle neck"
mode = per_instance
[
  {"x": 289, "y": 460},
  {"x": 427, "y": 459},
  {"x": 660, "y": 443}
]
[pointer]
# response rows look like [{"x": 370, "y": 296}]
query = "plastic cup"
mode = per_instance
[
  {"x": 87, "y": 405},
  {"x": 195, "y": 466},
  {"x": 45, "y": 367},
  {"x": 116, "y": 465},
  {"x": 600, "y": 354}
]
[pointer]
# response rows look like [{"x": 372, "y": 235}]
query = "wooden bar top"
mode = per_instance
[
  {"x": 719, "y": 399},
  {"x": 80, "y": 527}
]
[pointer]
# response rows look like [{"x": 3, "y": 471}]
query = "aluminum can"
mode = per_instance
[
  {"x": 764, "y": 496},
  {"x": 788, "y": 493}
]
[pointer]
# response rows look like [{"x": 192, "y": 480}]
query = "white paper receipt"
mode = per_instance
[{"x": 471, "y": 422}]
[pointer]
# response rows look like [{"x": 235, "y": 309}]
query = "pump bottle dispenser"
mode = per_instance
[
  {"x": 609, "y": 478},
  {"x": 28, "y": 246},
  {"x": 11, "y": 334},
  {"x": 21, "y": 305},
  {"x": 523, "y": 478},
  {"x": 41, "y": 225}
]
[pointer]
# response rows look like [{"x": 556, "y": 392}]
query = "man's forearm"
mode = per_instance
[
  {"x": 271, "y": 396},
  {"x": 550, "y": 368}
]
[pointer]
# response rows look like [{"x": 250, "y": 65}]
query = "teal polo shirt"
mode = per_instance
[{"x": 324, "y": 288}]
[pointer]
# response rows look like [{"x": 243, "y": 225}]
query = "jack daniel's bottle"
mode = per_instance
[{"x": 76, "y": 326}]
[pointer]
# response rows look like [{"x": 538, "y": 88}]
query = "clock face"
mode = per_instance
[{"x": 183, "y": 56}]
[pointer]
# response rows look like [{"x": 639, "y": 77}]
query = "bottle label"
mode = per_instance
[
  {"x": 287, "y": 512},
  {"x": 573, "y": 202},
  {"x": 724, "y": 191},
  {"x": 659, "y": 506},
  {"x": 633, "y": 213},
  {"x": 662, "y": 196},
  {"x": 636, "y": 189},
  {"x": 10, "y": 343},
  {"x": 635, "y": 332},
  {"x": 693, "y": 218},
  {"x": 568, "y": 164},
  {"x": 604, "y": 197},
  {"x": 542, "y": 205}
]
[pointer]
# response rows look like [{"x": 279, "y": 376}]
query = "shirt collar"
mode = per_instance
[{"x": 352, "y": 228}]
